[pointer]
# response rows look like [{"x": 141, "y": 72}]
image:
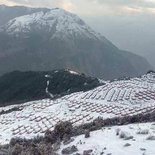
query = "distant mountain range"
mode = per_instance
[{"x": 47, "y": 39}]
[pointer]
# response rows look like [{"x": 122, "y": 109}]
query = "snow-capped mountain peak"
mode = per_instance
[
  {"x": 58, "y": 22},
  {"x": 58, "y": 39}
]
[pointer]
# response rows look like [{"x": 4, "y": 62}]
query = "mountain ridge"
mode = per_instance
[
  {"x": 57, "y": 39},
  {"x": 60, "y": 19},
  {"x": 18, "y": 87},
  {"x": 9, "y": 12}
]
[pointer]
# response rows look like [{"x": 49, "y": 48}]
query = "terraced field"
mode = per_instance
[{"x": 115, "y": 99}]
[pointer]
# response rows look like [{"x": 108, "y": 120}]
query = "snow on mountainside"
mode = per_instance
[
  {"x": 106, "y": 141},
  {"x": 115, "y": 99},
  {"x": 56, "y": 39},
  {"x": 65, "y": 24},
  {"x": 9, "y": 12}
]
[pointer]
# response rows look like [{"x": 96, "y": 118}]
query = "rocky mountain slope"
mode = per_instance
[
  {"x": 55, "y": 39},
  {"x": 18, "y": 87}
]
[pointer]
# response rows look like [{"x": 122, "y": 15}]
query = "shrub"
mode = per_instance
[
  {"x": 87, "y": 133},
  {"x": 117, "y": 131},
  {"x": 127, "y": 144},
  {"x": 69, "y": 150},
  {"x": 63, "y": 128},
  {"x": 143, "y": 132},
  {"x": 125, "y": 135},
  {"x": 17, "y": 149},
  {"x": 16, "y": 140},
  {"x": 50, "y": 137},
  {"x": 151, "y": 137}
]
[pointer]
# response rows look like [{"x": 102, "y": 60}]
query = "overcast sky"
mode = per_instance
[{"x": 129, "y": 24}]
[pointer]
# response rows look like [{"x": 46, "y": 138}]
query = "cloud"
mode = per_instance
[
  {"x": 130, "y": 3},
  {"x": 92, "y": 7},
  {"x": 8, "y": 2},
  {"x": 66, "y": 4},
  {"x": 127, "y": 6}
]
